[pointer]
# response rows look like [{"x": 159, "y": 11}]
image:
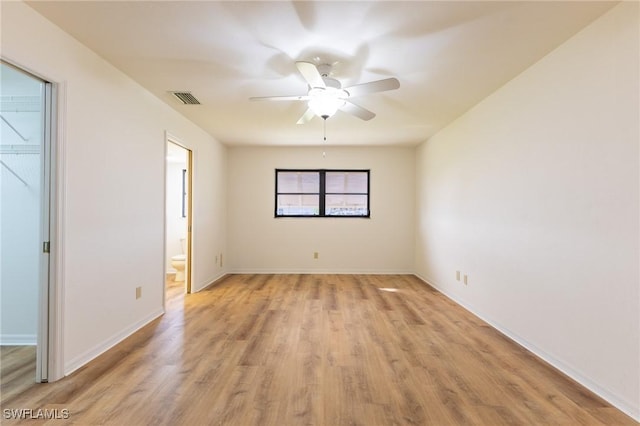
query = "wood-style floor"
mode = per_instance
[
  {"x": 317, "y": 350},
  {"x": 17, "y": 369}
]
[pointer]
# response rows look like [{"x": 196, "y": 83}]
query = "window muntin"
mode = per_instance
[{"x": 322, "y": 193}]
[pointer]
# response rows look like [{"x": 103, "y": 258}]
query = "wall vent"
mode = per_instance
[{"x": 186, "y": 98}]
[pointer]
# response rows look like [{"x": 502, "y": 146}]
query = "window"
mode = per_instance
[{"x": 322, "y": 193}]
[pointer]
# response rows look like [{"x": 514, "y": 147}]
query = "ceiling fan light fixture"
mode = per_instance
[
  {"x": 324, "y": 102},
  {"x": 325, "y": 94}
]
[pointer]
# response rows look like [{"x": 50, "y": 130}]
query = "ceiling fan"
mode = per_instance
[{"x": 326, "y": 95}]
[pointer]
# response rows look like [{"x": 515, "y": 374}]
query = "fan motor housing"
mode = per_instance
[
  {"x": 331, "y": 82},
  {"x": 324, "y": 69}
]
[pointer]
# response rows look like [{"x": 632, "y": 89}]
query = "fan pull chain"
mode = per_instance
[
  {"x": 324, "y": 129},
  {"x": 324, "y": 125}
]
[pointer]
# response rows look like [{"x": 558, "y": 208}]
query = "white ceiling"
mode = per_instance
[{"x": 447, "y": 55}]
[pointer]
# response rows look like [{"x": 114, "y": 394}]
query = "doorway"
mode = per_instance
[
  {"x": 26, "y": 120},
  {"x": 178, "y": 199}
]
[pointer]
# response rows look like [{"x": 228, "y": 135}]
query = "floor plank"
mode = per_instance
[
  {"x": 315, "y": 350},
  {"x": 17, "y": 369}
]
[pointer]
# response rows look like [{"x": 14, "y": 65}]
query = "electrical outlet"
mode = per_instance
[
  {"x": 315, "y": 254},
  {"x": 221, "y": 260},
  {"x": 138, "y": 292},
  {"x": 465, "y": 279},
  {"x": 457, "y": 275}
]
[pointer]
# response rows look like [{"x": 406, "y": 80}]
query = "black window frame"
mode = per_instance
[{"x": 322, "y": 192}]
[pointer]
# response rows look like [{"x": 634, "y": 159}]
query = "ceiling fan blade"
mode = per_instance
[
  {"x": 280, "y": 98},
  {"x": 306, "y": 117},
  {"x": 373, "y": 87},
  {"x": 310, "y": 74},
  {"x": 357, "y": 111}
]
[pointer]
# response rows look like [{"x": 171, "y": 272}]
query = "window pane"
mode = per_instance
[
  {"x": 308, "y": 182},
  {"x": 335, "y": 182},
  {"x": 346, "y": 205},
  {"x": 298, "y": 205},
  {"x": 346, "y": 182}
]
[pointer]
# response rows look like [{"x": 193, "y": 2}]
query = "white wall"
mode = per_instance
[
  {"x": 534, "y": 194},
  {"x": 260, "y": 243},
  {"x": 19, "y": 212},
  {"x": 113, "y": 172},
  {"x": 209, "y": 221}
]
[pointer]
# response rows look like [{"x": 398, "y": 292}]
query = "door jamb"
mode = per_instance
[
  {"x": 170, "y": 138},
  {"x": 51, "y": 308},
  {"x": 189, "y": 258}
]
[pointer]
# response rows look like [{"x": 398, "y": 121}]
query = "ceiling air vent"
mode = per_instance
[{"x": 186, "y": 98}]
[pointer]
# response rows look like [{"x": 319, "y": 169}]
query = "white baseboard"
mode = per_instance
[
  {"x": 101, "y": 348},
  {"x": 320, "y": 272},
  {"x": 627, "y": 407},
  {"x": 210, "y": 282},
  {"x": 18, "y": 340}
]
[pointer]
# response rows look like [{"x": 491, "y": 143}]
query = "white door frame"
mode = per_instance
[
  {"x": 42, "y": 348},
  {"x": 169, "y": 138},
  {"x": 57, "y": 193},
  {"x": 50, "y": 349},
  {"x": 50, "y": 366}
]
